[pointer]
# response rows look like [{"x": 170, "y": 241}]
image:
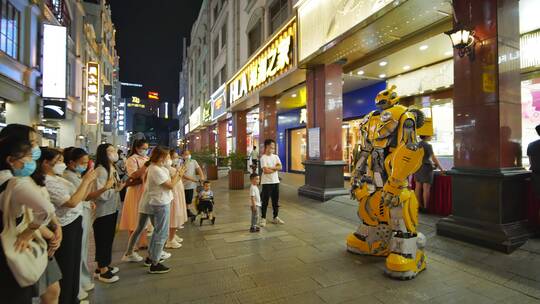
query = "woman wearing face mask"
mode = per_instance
[
  {"x": 76, "y": 160},
  {"x": 178, "y": 205},
  {"x": 16, "y": 165},
  {"x": 136, "y": 169},
  {"x": 68, "y": 201},
  {"x": 106, "y": 212}
]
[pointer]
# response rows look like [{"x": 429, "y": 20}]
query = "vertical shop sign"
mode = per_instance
[
  {"x": 92, "y": 93},
  {"x": 107, "y": 108}
]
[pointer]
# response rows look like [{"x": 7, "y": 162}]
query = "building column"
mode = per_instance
[
  {"x": 488, "y": 180},
  {"x": 222, "y": 137},
  {"x": 267, "y": 120},
  {"x": 212, "y": 138},
  {"x": 324, "y": 163},
  {"x": 204, "y": 139},
  {"x": 240, "y": 132}
]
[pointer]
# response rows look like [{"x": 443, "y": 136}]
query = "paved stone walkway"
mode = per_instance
[{"x": 305, "y": 261}]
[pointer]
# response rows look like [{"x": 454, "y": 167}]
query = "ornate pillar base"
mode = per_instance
[
  {"x": 324, "y": 180},
  {"x": 488, "y": 208}
]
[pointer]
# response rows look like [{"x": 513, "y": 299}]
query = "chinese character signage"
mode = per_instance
[
  {"x": 121, "y": 117},
  {"x": 92, "y": 93},
  {"x": 272, "y": 61},
  {"x": 107, "y": 108},
  {"x": 195, "y": 119}
]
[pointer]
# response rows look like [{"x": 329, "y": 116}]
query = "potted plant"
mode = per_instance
[
  {"x": 238, "y": 167},
  {"x": 207, "y": 159}
]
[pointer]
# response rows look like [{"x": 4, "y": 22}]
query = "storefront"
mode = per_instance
[{"x": 291, "y": 145}]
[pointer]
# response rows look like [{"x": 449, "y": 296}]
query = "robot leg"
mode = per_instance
[
  {"x": 372, "y": 236},
  {"x": 407, "y": 257}
]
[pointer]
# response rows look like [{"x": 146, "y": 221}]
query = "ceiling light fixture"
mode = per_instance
[
  {"x": 383, "y": 63},
  {"x": 382, "y": 76},
  {"x": 449, "y": 53},
  {"x": 360, "y": 72},
  {"x": 423, "y": 47},
  {"x": 294, "y": 95},
  {"x": 406, "y": 67}
]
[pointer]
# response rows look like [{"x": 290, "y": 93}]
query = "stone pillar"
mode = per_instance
[
  {"x": 222, "y": 138},
  {"x": 240, "y": 132},
  {"x": 488, "y": 180},
  {"x": 267, "y": 120},
  {"x": 324, "y": 174}
]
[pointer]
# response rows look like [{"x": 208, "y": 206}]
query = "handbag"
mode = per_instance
[
  {"x": 134, "y": 181},
  {"x": 27, "y": 266}
]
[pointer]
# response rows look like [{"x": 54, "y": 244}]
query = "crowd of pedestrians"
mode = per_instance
[{"x": 52, "y": 200}]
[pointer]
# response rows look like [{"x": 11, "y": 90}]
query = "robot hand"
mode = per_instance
[{"x": 390, "y": 195}]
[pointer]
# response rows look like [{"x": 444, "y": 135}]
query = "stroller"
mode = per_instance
[{"x": 204, "y": 207}]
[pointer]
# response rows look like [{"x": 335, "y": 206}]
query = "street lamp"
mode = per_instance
[{"x": 463, "y": 40}]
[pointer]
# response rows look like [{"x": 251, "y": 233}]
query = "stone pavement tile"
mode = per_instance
[
  {"x": 305, "y": 298},
  {"x": 336, "y": 277},
  {"x": 275, "y": 292},
  {"x": 520, "y": 299},
  {"x": 461, "y": 296},
  {"x": 248, "y": 236},
  {"x": 284, "y": 275},
  {"x": 220, "y": 299},
  {"x": 358, "y": 289},
  {"x": 525, "y": 286},
  {"x": 267, "y": 266},
  {"x": 493, "y": 291},
  {"x": 183, "y": 293}
]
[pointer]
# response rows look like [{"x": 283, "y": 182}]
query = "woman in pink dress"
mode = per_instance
[
  {"x": 136, "y": 169},
  {"x": 178, "y": 205}
]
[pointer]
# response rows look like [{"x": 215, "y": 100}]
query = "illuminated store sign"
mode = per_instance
[
  {"x": 121, "y": 117},
  {"x": 195, "y": 119},
  {"x": 219, "y": 105},
  {"x": 54, "y": 109},
  {"x": 529, "y": 46},
  {"x": 92, "y": 93},
  {"x": 107, "y": 108},
  {"x": 136, "y": 103},
  {"x": 54, "y": 61},
  {"x": 271, "y": 61},
  {"x": 180, "y": 106},
  {"x": 431, "y": 78},
  {"x": 153, "y": 95}
]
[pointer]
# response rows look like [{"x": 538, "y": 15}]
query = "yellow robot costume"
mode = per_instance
[{"x": 386, "y": 156}]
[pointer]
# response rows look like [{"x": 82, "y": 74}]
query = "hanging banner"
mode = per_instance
[{"x": 92, "y": 93}]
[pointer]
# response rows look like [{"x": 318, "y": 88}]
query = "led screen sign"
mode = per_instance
[
  {"x": 92, "y": 93},
  {"x": 153, "y": 95},
  {"x": 219, "y": 104},
  {"x": 274, "y": 59},
  {"x": 54, "y": 61}
]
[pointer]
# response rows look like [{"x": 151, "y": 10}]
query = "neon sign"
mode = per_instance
[{"x": 92, "y": 93}]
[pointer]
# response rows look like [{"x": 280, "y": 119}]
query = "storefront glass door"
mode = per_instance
[{"x": 298, "y": 148}]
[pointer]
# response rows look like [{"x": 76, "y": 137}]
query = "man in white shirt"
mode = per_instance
[
  {"x": 270, "y": 164},
  {"x": 190, "y": 179}
]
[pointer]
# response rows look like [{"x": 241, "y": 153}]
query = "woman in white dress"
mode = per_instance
[{"x": 178, "y": 206}]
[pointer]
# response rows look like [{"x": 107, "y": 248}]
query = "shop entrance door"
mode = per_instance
[{"x": 297, "y": 149}]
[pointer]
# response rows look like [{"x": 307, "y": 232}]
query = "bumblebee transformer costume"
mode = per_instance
[{"x": 385, "y": 157}]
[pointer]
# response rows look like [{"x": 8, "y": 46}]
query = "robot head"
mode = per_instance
[{"x": 387, "y": 98}]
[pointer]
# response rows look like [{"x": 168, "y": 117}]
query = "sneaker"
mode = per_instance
[
  {"x": 165, "y": 255},
  {"x": 252, "y": 229},
  {"x": 108, "y": 277},
  {"x": 113, "y": 270},
  {"x": 263, "y": 222},
  {"x": 173, "y": 244},
  {"x": 132, "y": 258},
  {"x": 82, "y": 295},
  {"x": 158, "y": 269},
  {"x": 148, "y": 262},
  {"x": 89, "y": 287},
  {"x": 178, "y": 239},
  {"x": 277, "y": 220}
]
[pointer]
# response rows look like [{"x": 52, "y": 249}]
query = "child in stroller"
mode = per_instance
[{"x": 205, "y": 203}]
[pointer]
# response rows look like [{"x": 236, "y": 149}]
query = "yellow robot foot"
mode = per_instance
[
  {"x": 402, "y": 268},
  {"x": 357, "y": 246}
]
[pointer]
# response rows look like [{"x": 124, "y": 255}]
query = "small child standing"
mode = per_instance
[{"x": 255, "y": 202}]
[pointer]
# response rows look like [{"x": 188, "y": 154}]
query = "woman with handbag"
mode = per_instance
[
  {"x": 178, "y": 205},
  {"x": 20, "y": 269},
  {"x": 136, "y": 169},
  {"x": 106, "y": 212},
  {"x": 68, "y": 200}
]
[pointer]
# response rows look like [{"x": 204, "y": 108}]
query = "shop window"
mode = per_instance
[
  {"x": 255, "y": 37},
  {"x": 9, "y": 30},
  {"x": 530, "y": 109},
  {"x": 223, "y": 74},
  {"x": 278, "y": 14},
  {"x": 298, "y": 149},
  {"x": 215, "y": 83}
]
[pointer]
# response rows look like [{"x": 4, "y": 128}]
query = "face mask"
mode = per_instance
[
  {"x": 26, "y": 170},
  {"x": 113, "y": 157},
  {"x": 168, "y": 163},
  {"x": 36, "y": 153},
  {"x": 143, "y": 152},
  {"x": 59, "y": 168},
  {"x": 81, "y": 168}
]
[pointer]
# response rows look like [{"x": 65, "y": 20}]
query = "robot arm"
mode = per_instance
[{"x": 406, "y": 160}]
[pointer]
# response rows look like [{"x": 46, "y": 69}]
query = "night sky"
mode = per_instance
[{"x": 149, "y": 41}]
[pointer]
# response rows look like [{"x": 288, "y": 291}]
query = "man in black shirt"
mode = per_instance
[{"x": 533, "y": 151}]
